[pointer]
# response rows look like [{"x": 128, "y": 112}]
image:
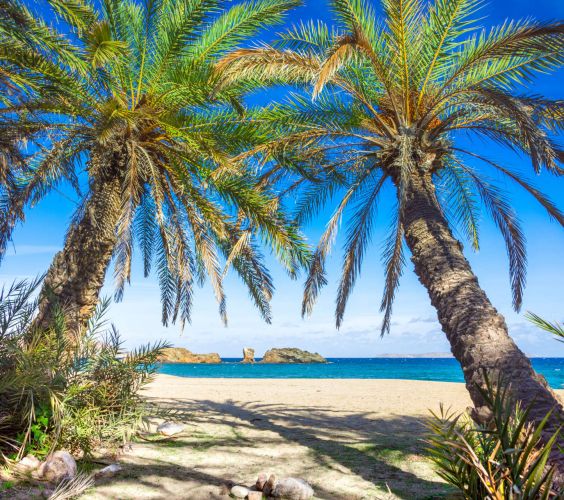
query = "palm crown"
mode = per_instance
[
  {"x": 391, "y": 96},
  {"x": 125, "y": 93}
]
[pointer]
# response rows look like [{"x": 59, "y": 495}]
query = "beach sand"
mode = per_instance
[{"x": 351, "y": 439}]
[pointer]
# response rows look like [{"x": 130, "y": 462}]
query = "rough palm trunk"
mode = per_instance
[
  {"x": 76, "y": 275},
  {"x": 476, "y": 331}
]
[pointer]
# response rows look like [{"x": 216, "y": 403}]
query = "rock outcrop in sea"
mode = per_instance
[
  {"x": 182, "y": 355},
  {"x": 248, "y": 355},
  {"x": 291, "y": 355}
]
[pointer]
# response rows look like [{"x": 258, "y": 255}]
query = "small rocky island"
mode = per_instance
[
  {"x": 291, "y": 355},
  {"x": 277, "y": 355},
  {"x": 248, "y": 355},
  {"x": 182, "y": 355}
]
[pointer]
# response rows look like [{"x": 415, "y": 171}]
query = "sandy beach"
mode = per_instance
[{"x": 351, "y": 439}]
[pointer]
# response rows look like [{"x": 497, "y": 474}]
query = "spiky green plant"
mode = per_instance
[
  {"x": 382, "y": 101},
  {"x": 503, "y": 458},
  {"x": 124, "y": 90},
  {"x": 56, "y": 393}
]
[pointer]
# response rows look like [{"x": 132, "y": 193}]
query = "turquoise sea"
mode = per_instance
[{"x": 437, "y": 369}]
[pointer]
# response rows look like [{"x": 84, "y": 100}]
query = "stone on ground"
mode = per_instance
[
  {"x": 28, "y": 464},
  {"x": 292, "y": 488},
  {"x": 60, "y": 465},
  {"x": 240, "y": 491},
  {"x": 261, "y": 481},
  {"x": 109, "y": 471},
  {"x": 170, "y": 428}
]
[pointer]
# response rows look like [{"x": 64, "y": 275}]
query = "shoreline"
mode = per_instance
[{"x": 307, "y": 379}]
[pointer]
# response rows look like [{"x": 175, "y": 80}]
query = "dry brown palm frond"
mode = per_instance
[
  {"x": 266, "y": 64},
  {"x": 341, "y": 53}
]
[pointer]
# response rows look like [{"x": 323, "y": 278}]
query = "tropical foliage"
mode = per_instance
[
  {"x": 55, "y": 394},
  {"x": 501, "y": 459},
  {"x": 555, "y": 328},
  {"x": 393, "y": 96},
  {"x": 122, "y": 93}
]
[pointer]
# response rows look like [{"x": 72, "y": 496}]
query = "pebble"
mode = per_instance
[
  {"x": 240, "y": 491},
  {"x": 108, "y": 471},
  {"x": 254, "y": 495},
  {"x": 261, "y": 481},
  {"x": 28, "y": 463},
  {"x": 170, "y": 428}
]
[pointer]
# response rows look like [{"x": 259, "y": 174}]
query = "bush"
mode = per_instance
[
  {"x": 55, "y": 393},
  {"x": 504, "y": 459}
]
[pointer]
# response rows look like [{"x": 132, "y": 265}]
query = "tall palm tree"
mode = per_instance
[
  {"x": 392, "y": 96},
  {"x": 123, "y": 93}
]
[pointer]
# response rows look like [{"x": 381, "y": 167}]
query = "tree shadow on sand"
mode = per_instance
[{"x": 383, "y": 451}]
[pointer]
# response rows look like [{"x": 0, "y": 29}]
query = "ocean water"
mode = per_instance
[{"x": 436, "y": 369}]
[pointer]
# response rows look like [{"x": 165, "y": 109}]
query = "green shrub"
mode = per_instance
[
  {"x": 504, "y": 459},
  {"x": 55, "y": 392}
]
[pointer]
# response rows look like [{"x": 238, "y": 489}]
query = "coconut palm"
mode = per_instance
[
  {"x": 393, "y": 95},
  {"x": 124, "y": 96}
]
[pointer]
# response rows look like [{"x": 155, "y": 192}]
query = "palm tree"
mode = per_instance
[
  {"x": 392, "y": 96},
  {"x": 123, "y": 92}
]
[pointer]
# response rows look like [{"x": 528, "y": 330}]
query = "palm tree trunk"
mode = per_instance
[
  {"x": 476, "y": 331},
  {"x": 77, "y": 273}
]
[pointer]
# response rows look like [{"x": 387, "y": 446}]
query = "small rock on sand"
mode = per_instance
[
  {"x": 254, "y": 495},
  {"x": 170, "y": 428},
  {"x": 27, "y": 464},
  {"x": 108, "y": 471},
  {"x": 261, "y": 481},
  {"x": 239, "y": 491},
  {"x": 60, "y": 465},
  {"x": 292, "y": 488}
]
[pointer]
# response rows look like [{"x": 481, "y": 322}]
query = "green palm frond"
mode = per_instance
[
  {"x": 359, "y": 235},
  {"x": 390, "y": 95},
  {"x": 128, "y": 92},
  {"x": 554, "y": 328}
]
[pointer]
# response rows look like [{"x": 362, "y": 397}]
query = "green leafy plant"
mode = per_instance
[
  {"x": 502, "y": 458},
  {"x": 38, "y": 440},
  {"x": 57, "y": 393}
]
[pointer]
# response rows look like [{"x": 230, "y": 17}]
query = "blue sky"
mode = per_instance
[{"x": 414, "y": 328}]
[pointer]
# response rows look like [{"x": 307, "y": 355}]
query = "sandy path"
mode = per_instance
[{"x": 350, "y": 439}]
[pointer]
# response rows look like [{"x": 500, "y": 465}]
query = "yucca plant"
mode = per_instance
[
  {"x": 502, "y": 458},
  {"x": 124, "y": 89},
  {"x": 56, "y": 393},
  {"x": 382, "y": 102}
]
